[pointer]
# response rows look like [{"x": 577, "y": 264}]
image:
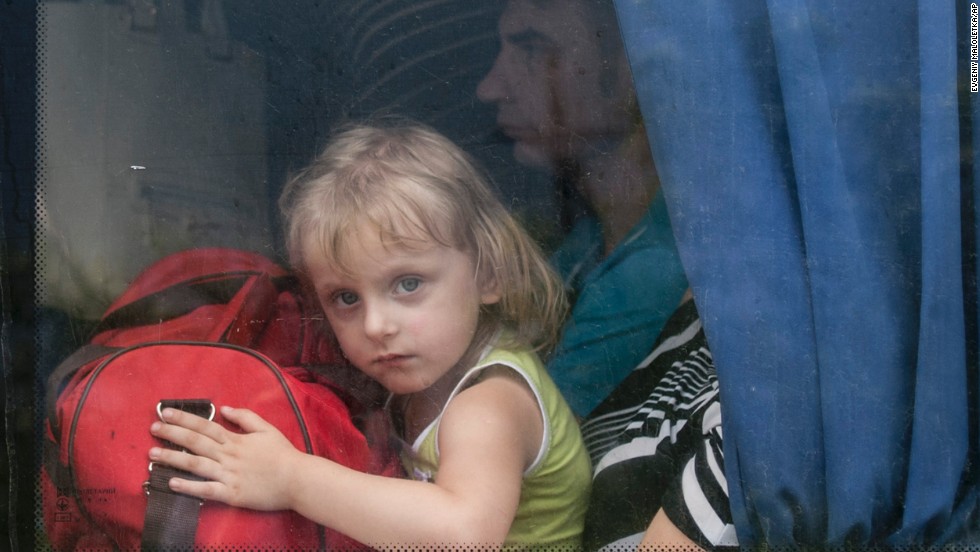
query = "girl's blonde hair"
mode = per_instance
[{"x": 416, "y": 186}]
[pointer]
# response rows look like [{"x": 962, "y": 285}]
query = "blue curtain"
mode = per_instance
[{"x": 817, "y": 159}]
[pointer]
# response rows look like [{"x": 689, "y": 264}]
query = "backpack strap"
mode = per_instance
[
  {"x": 173, "y": 302},
  {"x": 245, "y": 297},
  {"x": 170, "y": 521},
  {"x": 57, "y": 380}
]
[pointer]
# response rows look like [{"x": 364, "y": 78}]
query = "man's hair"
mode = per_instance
[
  {"x": 415, "y": 186},
  {"x": 602, "y": 17}
]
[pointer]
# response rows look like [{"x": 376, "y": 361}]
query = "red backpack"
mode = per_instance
[{"x": 196, "y": 330}]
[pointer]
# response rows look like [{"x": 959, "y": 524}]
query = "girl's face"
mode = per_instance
[{"x": 404, "y": 316}]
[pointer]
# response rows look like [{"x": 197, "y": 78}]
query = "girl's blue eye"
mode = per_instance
[
  {"x": 409, "y": 285},
  {"x": 346, "y": 298}
]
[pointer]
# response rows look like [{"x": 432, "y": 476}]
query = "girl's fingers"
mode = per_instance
[
  {"x": 198, "y": 465},
  {"x": 198, "y": 424},
  {"x": 189, "y": 439},
  {"x": 208, "y": 490},
  {"x": 245, "y": 419}
]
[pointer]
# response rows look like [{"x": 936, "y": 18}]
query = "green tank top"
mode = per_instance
[{"x": 555, "y": 490}]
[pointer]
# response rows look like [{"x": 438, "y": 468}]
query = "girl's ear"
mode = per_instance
[{"x": 489, "y": 290}]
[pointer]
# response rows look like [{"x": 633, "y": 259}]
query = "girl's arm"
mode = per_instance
[{"x": 488, "y": 435}]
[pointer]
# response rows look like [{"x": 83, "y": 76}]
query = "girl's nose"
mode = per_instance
[{"x": 379, "y": 323}]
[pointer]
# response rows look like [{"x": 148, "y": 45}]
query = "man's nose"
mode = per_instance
[
  {"x": 493, "y": 87},
  {"x": 379, "y": 321}
]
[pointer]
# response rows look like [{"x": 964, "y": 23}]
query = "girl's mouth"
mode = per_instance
[{"x": 390, "y": 359}]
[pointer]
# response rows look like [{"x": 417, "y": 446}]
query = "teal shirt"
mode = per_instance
[{"x": 621, "y": 304}]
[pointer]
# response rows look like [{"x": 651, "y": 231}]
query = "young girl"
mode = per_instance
[{"x": 433, "y": 289}]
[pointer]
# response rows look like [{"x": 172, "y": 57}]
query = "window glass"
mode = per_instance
[{"x": 136, "y": 129}]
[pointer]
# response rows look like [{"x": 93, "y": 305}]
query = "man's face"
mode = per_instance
[{"x": 559, "y": 93}]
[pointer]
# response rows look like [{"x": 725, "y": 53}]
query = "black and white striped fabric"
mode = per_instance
[{"x": 656, "y": 442}]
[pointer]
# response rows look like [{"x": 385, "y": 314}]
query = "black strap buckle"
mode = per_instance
[{"x": 198, "y": 407}]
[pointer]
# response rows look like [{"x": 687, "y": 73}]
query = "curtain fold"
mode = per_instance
[{"x": 816, "y": 159}]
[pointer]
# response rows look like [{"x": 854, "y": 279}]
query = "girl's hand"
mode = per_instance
[{"x": 250, "y": 469}]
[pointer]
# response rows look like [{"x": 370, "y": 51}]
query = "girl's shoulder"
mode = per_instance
[
  {"x": 498, "y": 386},
  {"x": 499, "y": 403},
  {"x": 512, "y": 361},
  {"x": 510, "y": 370},
  {"x": 501, "y": 371}
]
